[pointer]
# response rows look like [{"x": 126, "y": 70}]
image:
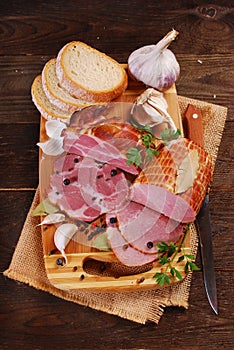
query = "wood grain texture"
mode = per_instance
[
  {"x": 31, "y": 32},
  {"x": 41, "y": 320}
]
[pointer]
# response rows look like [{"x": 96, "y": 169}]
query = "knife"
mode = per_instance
[{"x": 194, "y": 131}]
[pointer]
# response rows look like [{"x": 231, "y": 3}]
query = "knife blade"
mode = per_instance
[{"x": 194, "y": 131}]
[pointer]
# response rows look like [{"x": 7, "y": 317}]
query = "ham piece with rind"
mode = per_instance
[
  {"x": 163, "y": 201},
  {"x": 156, "y": 184}
]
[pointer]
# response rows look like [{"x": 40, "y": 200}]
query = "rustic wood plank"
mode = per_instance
[
  {"x": 207, "y": 78},
  {"x": 30, "y": 33},
  {"x": 49, "y": 320},
  {"x": 223, "y": 172},
  {"x": 106, "y": 28},
  {"x": 19, "y": 155},
  {"x": 17, "y": 75},
  {"x": 14, "y": 206}
]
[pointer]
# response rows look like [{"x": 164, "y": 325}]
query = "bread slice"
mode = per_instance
[
  {"x": 89, "y": 74},
  {"x": 56, "y": 93},
  {"x": 45, "y": 107}
]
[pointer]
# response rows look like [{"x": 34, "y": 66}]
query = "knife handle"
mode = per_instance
[{"x": 193, "y": 124}]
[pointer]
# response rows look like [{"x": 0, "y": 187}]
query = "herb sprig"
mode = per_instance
[
  {"x": 134, "y": 155},
  {"x": 167, "y": 254},
  {"x": 170, "y": 135}
]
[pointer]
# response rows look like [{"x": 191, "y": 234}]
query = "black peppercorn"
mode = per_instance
[
  {"x": 59, "y": 261},
  {"x": 113, "y": 172},
  {"x": 66, "y": 182},
  {"x": 113, "y": 220},
  {"x": 150, "y": 245},
  {"x": 76, "y": 160}
]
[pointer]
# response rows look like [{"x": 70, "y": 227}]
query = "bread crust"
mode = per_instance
[
  {"x": 56, "y": 100},
  {"x": 81, "y": 92},
  {"x": 45, "y": 112}
]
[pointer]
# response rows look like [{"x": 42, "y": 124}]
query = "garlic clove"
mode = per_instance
[
  {"x": 150, "y": 108},
  {"x": 54, "y": 128},
  {"x": 52, "y": 147},
  {"x": 52, "y": 219},
  {"x": 62, "y": 237},
  {"x": 155, "y": 65}
]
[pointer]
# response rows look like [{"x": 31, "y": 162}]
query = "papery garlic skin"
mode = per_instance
[{"x": 155, "y": 65}]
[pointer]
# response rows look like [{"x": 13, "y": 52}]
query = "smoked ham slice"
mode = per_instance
[
  {"x": 162, "y": 172},
  {"x": 163, "y": 201}
]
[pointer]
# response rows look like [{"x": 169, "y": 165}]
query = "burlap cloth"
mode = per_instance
[{"x": 140, "y": 306}]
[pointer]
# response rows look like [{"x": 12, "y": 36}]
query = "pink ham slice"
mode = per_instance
[
  {"x": 123, "y": 136},
  {"x": 93, "y": 147},
  {"x": 126, "y": 254},
  {"x": 102, "y": 184},
  {"x": 143, "y": 228},
  {"x": 87, "y": 189},
  {"x": 163, "y": 201},
  {"x": 69, "y": 198},
  {"x": 67, "y": 163}
]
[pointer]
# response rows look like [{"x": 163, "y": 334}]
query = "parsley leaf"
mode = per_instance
[
  {"x": 175, "y": 272},
  {"x": 146, "y": 128},
  {"x": 169, "y": 135},
  {"x": 163, "y": 259},
  {"x": 162, "y": 278},
  {"x": 167, "y": 255},
  {"x": 134, "y": 157},
  {"x": 146, "y": 139}
]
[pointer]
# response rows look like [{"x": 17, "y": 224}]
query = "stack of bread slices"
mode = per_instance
[{"x": 80, "y": 76}]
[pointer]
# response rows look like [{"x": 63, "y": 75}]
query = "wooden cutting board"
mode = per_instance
[{"x": 88, "y": 267}]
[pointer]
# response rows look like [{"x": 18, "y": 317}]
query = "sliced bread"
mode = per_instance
[
  {"x": 56, "y": 93},
  {"x": 89, "y": 74},
  {"x": 45, "y": 107}
]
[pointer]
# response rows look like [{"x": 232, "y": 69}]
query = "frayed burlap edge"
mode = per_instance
[{"x": 140, "y": 306}]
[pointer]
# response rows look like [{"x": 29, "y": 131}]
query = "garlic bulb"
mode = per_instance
[
  {"x": 155, "y": 65},
  {"x": 150, "y": 108}
]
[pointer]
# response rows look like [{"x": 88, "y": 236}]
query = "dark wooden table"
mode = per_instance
[{"x": 31, "y": 32}]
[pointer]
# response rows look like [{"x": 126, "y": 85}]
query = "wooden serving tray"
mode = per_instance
[{"x": 88, "y": 267}]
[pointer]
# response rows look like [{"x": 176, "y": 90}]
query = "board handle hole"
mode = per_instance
[{"x": 112, "y": 269}]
